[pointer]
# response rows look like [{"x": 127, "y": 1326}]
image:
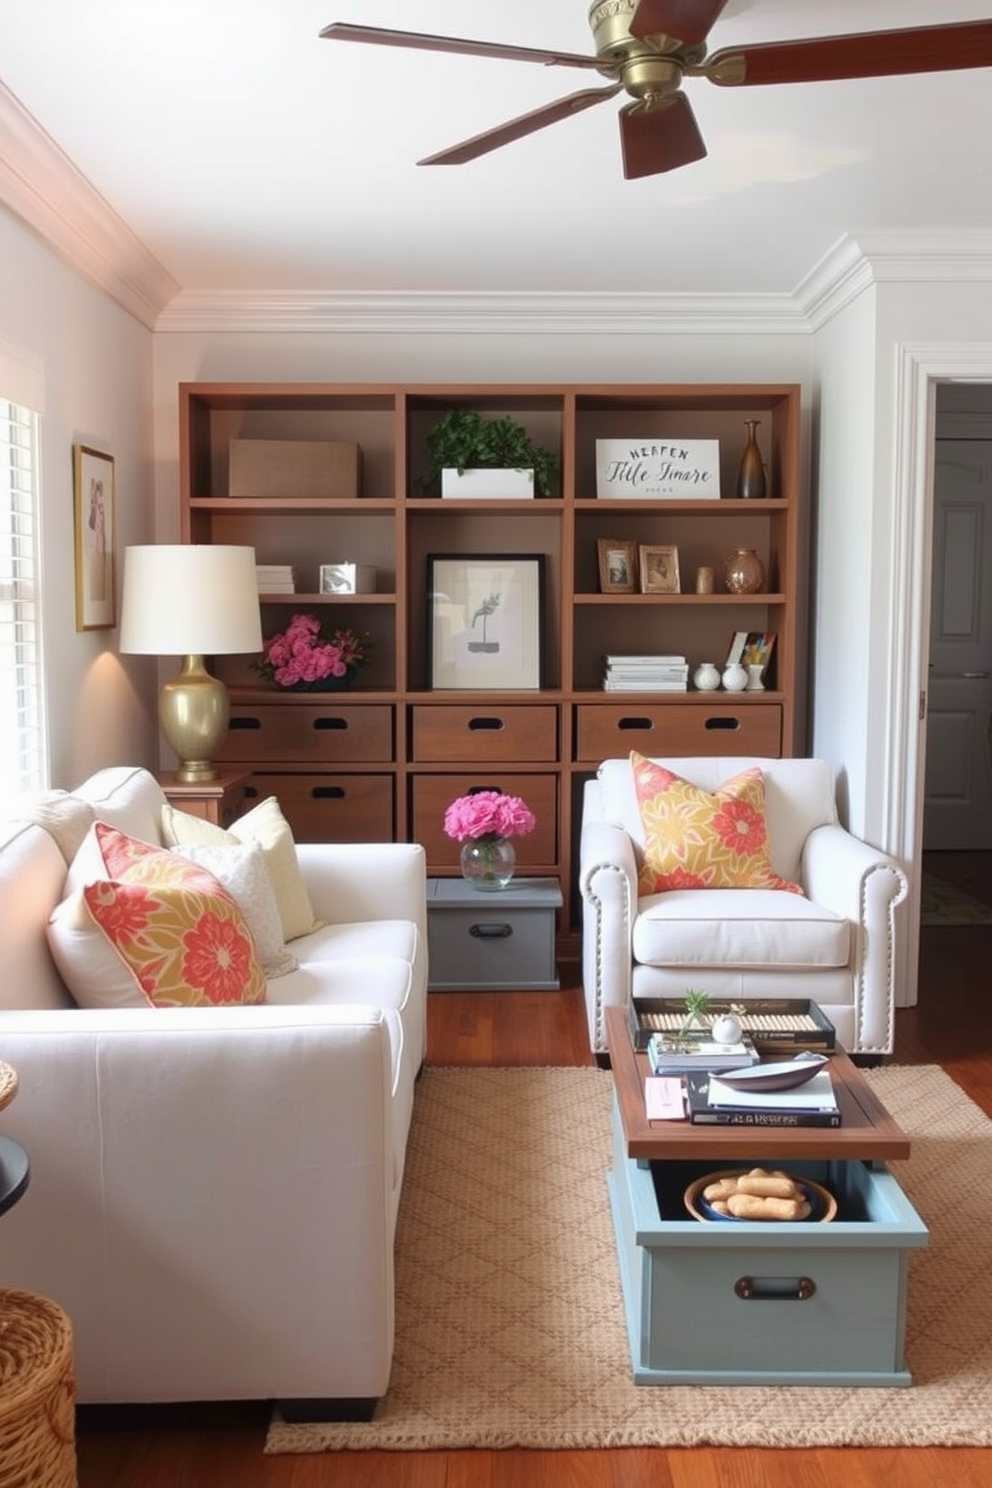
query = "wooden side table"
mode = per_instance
[{"x": 220, "y": 801}]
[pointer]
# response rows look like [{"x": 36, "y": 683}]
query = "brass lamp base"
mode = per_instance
[{"x": 194, "y": 710}]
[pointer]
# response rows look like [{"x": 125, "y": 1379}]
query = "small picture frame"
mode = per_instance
[
  {"x": 659, "y": 569},
  {"x": 752, "y": 648},
  {"x": 95, "y": 517},
  {"x": 618, "y": 571}
]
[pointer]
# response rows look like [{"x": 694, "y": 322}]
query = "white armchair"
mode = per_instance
[{"x": 835, "y": 945}]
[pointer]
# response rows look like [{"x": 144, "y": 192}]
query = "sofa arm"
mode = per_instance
[
  {"x": 608, "y": 884},
  {"x": 864, "y": 884},
  {"x": 213, "y": 1196},
  {"x": 357, "y": 881}
]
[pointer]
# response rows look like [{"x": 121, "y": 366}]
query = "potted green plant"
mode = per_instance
[{"x": 464, "y": 439}]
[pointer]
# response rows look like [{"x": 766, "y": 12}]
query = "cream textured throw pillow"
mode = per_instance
[
  {"x": 241, "y": 869},
  {"x": 265, "y": 825}
]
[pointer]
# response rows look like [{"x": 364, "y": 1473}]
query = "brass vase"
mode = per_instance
[{"x": 751, "y": 484}]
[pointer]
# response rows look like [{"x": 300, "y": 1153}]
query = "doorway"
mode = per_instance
[{"x": 957, "y": 800}]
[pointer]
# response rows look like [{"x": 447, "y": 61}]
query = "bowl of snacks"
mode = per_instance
[{"x": 768, "y": 1196}]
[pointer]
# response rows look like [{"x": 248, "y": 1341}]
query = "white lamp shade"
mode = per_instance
[{"x": 188, "y": 599}]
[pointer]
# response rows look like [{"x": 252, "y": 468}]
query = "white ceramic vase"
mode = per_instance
[
  {"x": 706, "y": 677},
  {"x": 735, "y": 677}
]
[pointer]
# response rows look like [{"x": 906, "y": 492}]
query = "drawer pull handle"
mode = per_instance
[
  {"x": 641, "y": 724},
  {"x": 245, "y": 723},
  {"x": 490, "y": 932},
  {"x": 722, "y": 723},
  {"x": 251, "y": 791},
  {"x": 474, "y": 790},
  {"x": 330, "y": 723},
  {"x": 494, "y": 724},
  {"x": 775, "y": 1288},
  {"x": 327, "y": 793}
]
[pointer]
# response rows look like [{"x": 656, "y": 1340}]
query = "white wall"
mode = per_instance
[{"x": 97, "y": 367}]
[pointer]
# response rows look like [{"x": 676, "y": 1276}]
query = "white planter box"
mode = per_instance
[
  {"x": 657, "y": 466},
  {"x": 487, "y": 483}
]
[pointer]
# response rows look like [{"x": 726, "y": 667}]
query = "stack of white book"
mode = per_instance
[
  {"x": 275, "y": 578},
  {"x": 646, "y": 674}
]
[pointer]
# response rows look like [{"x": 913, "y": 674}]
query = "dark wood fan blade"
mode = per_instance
[
  {"x": 515, "y": 129},
  {"x": 378, "y": 36},
  {"x": 961, "y": 45},
  {"x": 659, "y": 139},
  {"x": 688, "y": 20}
]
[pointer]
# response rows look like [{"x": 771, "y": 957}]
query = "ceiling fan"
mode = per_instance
[{"x": 646, "y": 48}]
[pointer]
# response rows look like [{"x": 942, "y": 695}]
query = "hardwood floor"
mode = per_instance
[{"x": 221, "y": 1446}]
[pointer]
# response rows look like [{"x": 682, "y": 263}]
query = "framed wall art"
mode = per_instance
[
  {"x": 94, "y": 503},
  {"x": 618, "y": 573},
  {"x": 485, "y": 621},
  {"x": 659, "y": 570}
]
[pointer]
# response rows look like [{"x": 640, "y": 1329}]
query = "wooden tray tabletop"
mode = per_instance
[{"x": 867, "y": 1130}]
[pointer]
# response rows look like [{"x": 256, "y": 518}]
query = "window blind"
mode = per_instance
[{"x": 23, "y": 755}]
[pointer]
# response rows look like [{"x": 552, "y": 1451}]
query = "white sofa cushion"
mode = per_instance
[{"x": 738, "y": 927}]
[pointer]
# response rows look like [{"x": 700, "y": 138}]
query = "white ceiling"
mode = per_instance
[{"x": 247, "y": 154}]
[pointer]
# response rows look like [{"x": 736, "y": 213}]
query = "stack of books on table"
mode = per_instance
[
  {"x": 670, "y": 1055},
  {"x": 711, "y": 1102},
  {"x": 275, "y": 578},
  {"x": 646, "y": 674}
]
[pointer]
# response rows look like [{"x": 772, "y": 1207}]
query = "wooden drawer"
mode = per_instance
[
  {"x": 433, "y": 794},
  {"x": 720, "y": 727},
  {"x": 331, "y": 808},
  {"x": 322, "y": 732},
  {"x": 506, "y": 734}
]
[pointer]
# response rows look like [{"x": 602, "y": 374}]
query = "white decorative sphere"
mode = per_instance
[{"x": 727, "y": 1029}]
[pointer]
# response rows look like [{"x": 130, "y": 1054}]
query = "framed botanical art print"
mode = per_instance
[
  {"x": 94, "y": 502},
  {"x": 618, "y": 573},
  {"x": 485, "y": 621}
]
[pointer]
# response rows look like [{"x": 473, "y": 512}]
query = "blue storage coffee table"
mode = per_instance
[{"x": 752, "y": 1302}]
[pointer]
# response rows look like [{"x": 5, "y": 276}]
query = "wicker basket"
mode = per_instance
[
  {"x": 37, "y": 1394},
  {"x": 8, "y": 1084}
]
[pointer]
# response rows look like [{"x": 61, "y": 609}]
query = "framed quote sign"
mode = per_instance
[{"x": 630, "y": 468}]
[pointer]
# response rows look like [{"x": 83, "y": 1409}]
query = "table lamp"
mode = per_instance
[{"x": 191, "y": 600}]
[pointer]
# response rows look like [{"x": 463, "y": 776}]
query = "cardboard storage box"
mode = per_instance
[{"x": 293, "y": 467}]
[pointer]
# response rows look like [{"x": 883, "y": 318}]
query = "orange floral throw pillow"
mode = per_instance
[
  {"x": 698, "y": 839},
  {"x": 179, "y": 932}
]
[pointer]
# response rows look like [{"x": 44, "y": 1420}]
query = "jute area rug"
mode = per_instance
[{"x": 510, "y": 1326}]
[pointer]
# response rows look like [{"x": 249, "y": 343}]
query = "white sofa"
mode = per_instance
[
  {"x": 214, "y": 1191},
  {"x": 835, "y": 945}
]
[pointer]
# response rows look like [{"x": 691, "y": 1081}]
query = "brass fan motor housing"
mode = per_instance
[{"x": 647, "y": 69}]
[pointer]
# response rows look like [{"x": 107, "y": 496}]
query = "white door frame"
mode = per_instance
[{"x": 919, "y": 368}]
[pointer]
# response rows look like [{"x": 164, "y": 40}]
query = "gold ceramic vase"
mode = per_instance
[{"x": 751, "y": 484}]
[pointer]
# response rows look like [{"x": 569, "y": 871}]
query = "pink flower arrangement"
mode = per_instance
[
  {"x": 487, "y": 815},
  {"x": 305, "y": 653}
]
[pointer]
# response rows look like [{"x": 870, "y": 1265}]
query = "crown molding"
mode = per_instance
[
  {"x": 40, "y": 184},
  {"x": 493, "y": 314},
  {"x": 861, "y": 260}
]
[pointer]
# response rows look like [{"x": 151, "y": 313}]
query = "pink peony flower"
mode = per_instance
[
  {"x": 487, "y": 814},
  {"x": 304, "y": 653}
]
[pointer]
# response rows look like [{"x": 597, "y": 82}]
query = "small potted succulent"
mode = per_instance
[{"x": 464, "y": 439}]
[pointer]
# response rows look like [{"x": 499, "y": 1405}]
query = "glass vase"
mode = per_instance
[
  {"x": 744, "y": 572},
  {"x": 488, "y": 862},
  {"x": 751, "y": 479}
]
